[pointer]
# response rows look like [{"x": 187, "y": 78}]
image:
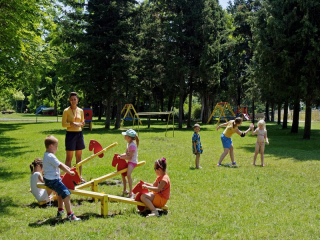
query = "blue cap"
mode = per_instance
[{"x": 130, "y": 133}]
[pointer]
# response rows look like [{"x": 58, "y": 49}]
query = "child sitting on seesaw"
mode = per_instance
[
  {"x": 36, "y": 169},
  {"x": 261, "y": 132},
  {"x": 51, "y": 172},
  {"x": 160, "y": 189}
]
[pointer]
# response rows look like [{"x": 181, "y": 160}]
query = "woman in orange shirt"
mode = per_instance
[{"x": 73, "y": 120}]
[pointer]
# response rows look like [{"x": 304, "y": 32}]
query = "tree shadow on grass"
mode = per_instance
[
  {"x": 7, "y": 174},
  {"x": 284, "y": 144},
  {"x": 5, "y": 203}
]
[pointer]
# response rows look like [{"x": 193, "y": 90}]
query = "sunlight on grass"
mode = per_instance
[{"x": 278, "y": 201}]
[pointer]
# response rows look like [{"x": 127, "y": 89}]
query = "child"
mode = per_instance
[
  {"x": 131, "y": 155},
  {"x": 231, "y": 128},
  {"x": 51, "y": 171},
  {"x": 196, "y": 144},
  {"x": 36, "y": 177},
  {"x": 261, "y": 135},
  {"x": 160, "y": 189}
]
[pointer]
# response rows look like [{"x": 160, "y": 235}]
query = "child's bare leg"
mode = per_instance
[
  {"x": 231, "y": 154},
  {"x": 130, "y": 169},
  {"x": 226, "y": 150},
  {"x": 67, "y": 204},
  {"x": 197, "y": 160},
  {"x": 256, "y": 152},
  {"x": 262, "y": 154},
  {"x": 124, "y": 181},
  {"x": 78, "y": 159},
  {"x": 60, "y": 202},
  {"x": 147, "y": 199}
]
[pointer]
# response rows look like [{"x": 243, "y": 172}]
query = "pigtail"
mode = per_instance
[
  {"x": 137, "y": 139},
  {"x": 31, "y": 167}
]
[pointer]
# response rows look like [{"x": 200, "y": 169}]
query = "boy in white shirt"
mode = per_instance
[{"x": 51, "y": 172}]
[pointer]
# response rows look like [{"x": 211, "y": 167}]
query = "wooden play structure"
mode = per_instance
[
  {"x": 134, "y": 116},
  {"x": 87, "y": 112},
  {"x": 129, "y": 114},
  {"x": 222, "y": 106},
  {"x": 93, "y": 184},
  {"x": 243, "y": 111}
]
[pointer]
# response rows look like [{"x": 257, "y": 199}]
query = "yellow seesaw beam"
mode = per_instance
[
  {"x": 94, "y": 155},
  {"x": 96, "y": 181}
]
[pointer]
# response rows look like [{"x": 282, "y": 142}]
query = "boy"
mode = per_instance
[
  {"x": 196, "y": 144},
  {"x": 51, "y": 172}
]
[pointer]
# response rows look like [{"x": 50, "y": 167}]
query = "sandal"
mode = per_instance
[
  {"x": 153, "y": 214},
  {"x": 125, "y": 193},
  {"x": 131, "y": 195}
]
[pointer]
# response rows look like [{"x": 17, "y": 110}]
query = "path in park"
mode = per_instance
[{"x": 29, "y": 120}]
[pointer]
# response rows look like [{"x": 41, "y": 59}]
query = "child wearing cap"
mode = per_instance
[
  {"x": 131, "y": 155},
  {"x": 196, "y": 144}
]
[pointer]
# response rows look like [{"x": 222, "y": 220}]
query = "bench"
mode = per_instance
[
  {"x": 10, "y": 112},
  {"x": 258, "y": 116}
]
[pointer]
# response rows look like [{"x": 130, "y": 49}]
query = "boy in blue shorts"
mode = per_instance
[{"x": 51, "y": 173}]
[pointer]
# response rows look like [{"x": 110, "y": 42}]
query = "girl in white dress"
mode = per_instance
[{"x": 36, "y": 177}]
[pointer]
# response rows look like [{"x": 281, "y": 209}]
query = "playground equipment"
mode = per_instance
[
  {"x": 243, "y": 111},
  {"x": 128, "y": 109},
  {"x": 222, "y": 106},
  {"x": 136, "y": 116},
  {"x": 94, "y": 155},
  {"x": 71, "y": 181},
  {"x": 104, "y": 198},
  {"x": 87, "y": 112},
  {"x": 96, "y": 147},
  {"x": 138, "y": 189},
  {"x": 120, "y": 163}
]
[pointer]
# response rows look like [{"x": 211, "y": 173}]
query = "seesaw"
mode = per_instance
[{"x": 104, "y": 198}]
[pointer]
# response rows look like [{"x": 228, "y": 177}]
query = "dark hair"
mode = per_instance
[
  {"x": 161, "y": 163},
  {"x": 73, "y": 94},
  {"x": 36, "y": 162},
  {"x": 50, "y": 140},
  {"x": 238, "y": 120}
]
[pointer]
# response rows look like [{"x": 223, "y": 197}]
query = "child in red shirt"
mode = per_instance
[{"x": 160, "y": 189}]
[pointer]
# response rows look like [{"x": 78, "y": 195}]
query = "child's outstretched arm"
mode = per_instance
[
  {"x": 222, "y": 125},
  {"x": 66, "y": 169},
  {"x": 255, "y": 131},
  {"x": 242, "y": 134},
  {"x": 266, "y": 137},
  {"x": 155, "y": 189}
]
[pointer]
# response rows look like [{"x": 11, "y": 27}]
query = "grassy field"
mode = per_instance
[{"x": 279, "y": 201}]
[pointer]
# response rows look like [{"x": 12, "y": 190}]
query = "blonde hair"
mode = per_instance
[
  {"x": 50, "y": 140},
  {"x": 262, "y": 122},
  {"x": 36, "y": 162},
  {"x": 135, "y": 138}
]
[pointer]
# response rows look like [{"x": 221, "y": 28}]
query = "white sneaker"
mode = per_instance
[
  {"x": 73, "y": 217},
  {"x": 60, "y": 214}
]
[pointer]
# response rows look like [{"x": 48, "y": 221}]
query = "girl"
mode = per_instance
[
  {"x": 261, "y": 135},
  {"x": 73, "y": 120},
  {"x": 196, "y": 144},
  {"x": 131, "y": 155},
  {"x": 160, "y": 188},
  {"x": 36, "y": 177},
  {"x": 231, "y": 128}
]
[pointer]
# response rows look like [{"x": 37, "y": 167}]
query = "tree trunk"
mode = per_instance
[
  {"x": 279, "y": 113},
  {"x": 272, "y": 112},
  {"x": 190, "y": 106},
  {"x": 253, "y": 115},
  {"x": 295, "y": 120},
  {"x": 205, "y": 108},
  {"x": 267, "y": 119},
  {"x": 285, "y": 115},
  {"x": 118, "y": 115},
  {"x": 150, "y": 109},
  {"x": 181, "y": 100},
  {"x": 307, "y": 123},
  {"x": 108, "y": 112},
  {"x": 22, "y": 106},
  {"x": 100, "y": 110}
]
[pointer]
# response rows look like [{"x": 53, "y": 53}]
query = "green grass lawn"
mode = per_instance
[{"x": 279, "y": 201}]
